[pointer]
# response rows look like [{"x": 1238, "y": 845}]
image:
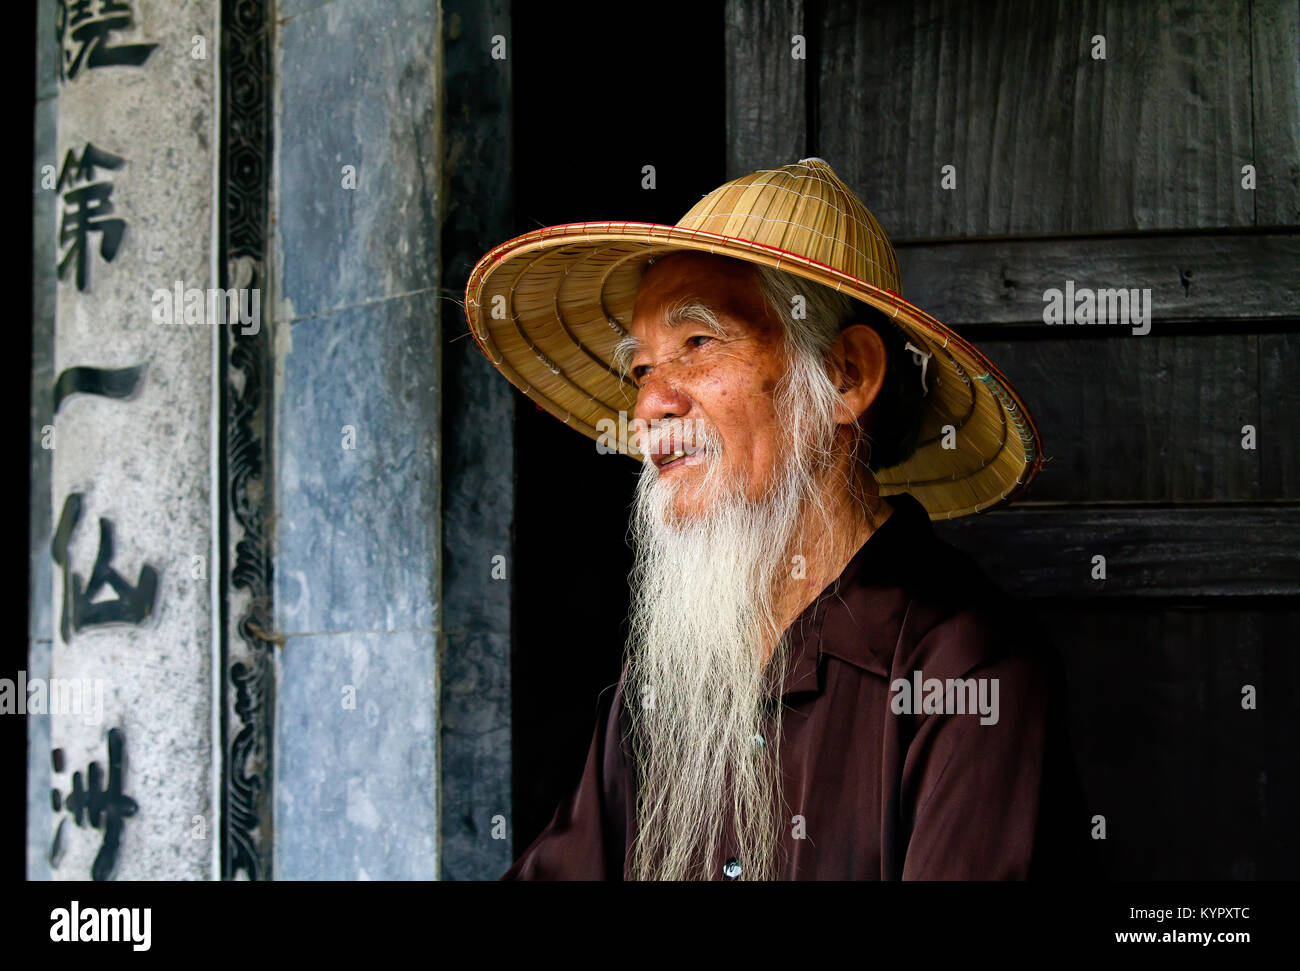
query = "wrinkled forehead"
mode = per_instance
[{"x": 674, "y": 288}]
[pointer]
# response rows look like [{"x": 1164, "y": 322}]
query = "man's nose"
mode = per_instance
[{"x": 660, "y": 398}]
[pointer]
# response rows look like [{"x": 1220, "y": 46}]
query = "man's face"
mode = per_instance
[{"x": 723, "y": 382}]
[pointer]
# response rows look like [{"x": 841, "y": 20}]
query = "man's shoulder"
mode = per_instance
[{"x": 957, "y": 617}]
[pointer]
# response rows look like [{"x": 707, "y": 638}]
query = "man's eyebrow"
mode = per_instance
[
  {"x": 624, "y": 351},
  {"x": 684, "y": 311},
  {"x": 689, "y": 309}
]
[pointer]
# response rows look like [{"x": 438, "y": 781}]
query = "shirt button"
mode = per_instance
[{"x": 731, "y": 869}]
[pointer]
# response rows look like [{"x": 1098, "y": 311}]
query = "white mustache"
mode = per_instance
[{"x": 679, "y": 435}]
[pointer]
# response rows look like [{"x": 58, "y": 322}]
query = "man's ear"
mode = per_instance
[{"x": 860, "y": 359}]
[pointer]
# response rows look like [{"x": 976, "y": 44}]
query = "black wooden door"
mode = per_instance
[{"x": 1008, "y": 148}]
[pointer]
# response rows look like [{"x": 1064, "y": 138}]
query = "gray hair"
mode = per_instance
[{"x": 895, "y": 428}]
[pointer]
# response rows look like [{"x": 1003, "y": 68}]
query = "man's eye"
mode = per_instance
[
  {"x": 639, "y": 372},
  {"x": 699, "y": 340}
]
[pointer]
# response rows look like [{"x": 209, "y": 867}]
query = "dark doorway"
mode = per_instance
[{"x": 622, "y": 92}]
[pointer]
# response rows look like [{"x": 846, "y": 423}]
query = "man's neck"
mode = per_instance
[{"x": 825, "y": 546}]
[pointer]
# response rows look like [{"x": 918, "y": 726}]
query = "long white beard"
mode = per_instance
[{"x": 702, "y": 619}]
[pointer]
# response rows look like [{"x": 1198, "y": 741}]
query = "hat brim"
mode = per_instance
[{"x": 547, "y": 309}]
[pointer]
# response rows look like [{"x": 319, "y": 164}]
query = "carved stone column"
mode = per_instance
[{"x": 132, "y": 691}]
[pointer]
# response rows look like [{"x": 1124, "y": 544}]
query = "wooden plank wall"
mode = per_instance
[{"x": 1122, "y": 172}]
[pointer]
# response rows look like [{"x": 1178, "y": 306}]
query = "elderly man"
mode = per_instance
[{"x": 815, "y": 686}]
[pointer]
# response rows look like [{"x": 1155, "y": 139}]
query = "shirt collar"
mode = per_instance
[{"x": 856, "y": 618}]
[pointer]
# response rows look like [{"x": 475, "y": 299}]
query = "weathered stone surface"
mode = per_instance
[
  {"x": 47, "y": 50},
  {"x": 40, "y": 574},
  {"x": 475, "y": 756},
  {"x": 44, "y": 223},
  {"x": 357, "y": 455},
  {"x": 144, "y": 463},
  {"x": 356, "y": 751},
  {"x": 356, "y": 88},
  {"x": 478, "y": 458},
  {"x": 357, "y": 491}
]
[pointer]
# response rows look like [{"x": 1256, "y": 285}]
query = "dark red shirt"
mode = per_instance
[{"x": 883, "y": 796}]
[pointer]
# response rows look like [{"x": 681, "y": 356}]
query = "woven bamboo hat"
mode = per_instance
[{"x": 548, "y": 307}]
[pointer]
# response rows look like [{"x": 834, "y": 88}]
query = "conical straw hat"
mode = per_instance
[{"x": 548, "y": 307}]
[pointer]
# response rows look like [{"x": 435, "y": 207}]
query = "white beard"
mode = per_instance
[{"x": 702, "y": 619}]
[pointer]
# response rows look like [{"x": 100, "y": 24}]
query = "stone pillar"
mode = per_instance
[
  {"x": 357, "y": 447},
  {"x": 478, "y": 466},
  {"x": 134, "y": 763},
  {"x": 40, "y": 631}
]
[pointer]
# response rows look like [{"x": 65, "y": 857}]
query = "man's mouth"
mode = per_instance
[{"x": 678, "y": 458}]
